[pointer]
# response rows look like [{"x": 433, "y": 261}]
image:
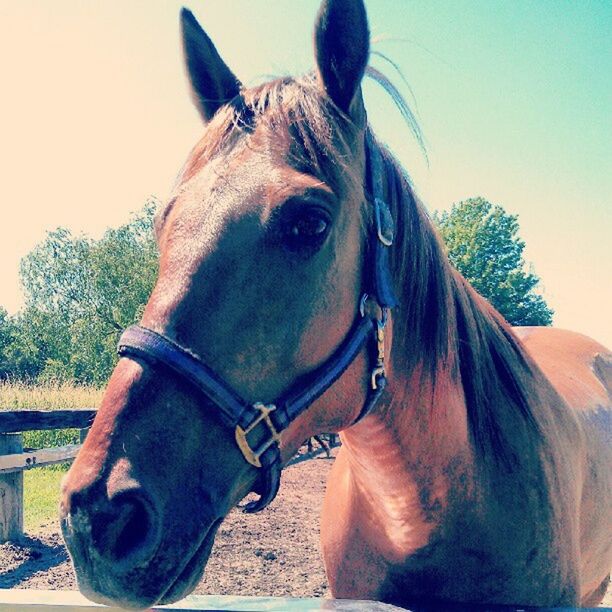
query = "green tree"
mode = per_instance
[
  {"x": 483, "y": 244},
  {"x": 80, "y": 294},
  {"x": 6, "y": 339},
  {"x": 20, "y": 357}
]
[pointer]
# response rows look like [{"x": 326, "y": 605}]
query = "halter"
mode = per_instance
[{"x": 258, "y": 426}]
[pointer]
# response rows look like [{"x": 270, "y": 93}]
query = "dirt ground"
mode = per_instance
[{"x": 274, "y": 553}]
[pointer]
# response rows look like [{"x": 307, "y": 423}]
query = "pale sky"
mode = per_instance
[{"x": 514, "y": 100}]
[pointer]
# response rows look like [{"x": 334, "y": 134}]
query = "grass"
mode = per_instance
[
  {"x": 51, "y": 395},
  {"x": 41, "y": 496},
  {"x": 41, "y": 485}
]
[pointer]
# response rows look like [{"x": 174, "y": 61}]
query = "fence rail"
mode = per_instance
[
  {"x": 38, "y": 420},
  {"x": 18, "y": 462},
  {"x": 14, "y": 459},
  {"x": 24, "y": 600}
]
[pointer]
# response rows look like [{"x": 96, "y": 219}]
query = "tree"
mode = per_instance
[
  {"x": 6, "y": 339},
  {"x": 81, "y": 293},
  {"x": 483, "y": 244},
  {"x": 20, "y": 357}
]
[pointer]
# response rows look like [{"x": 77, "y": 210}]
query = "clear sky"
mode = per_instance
[{"x": 514, "y": 99}]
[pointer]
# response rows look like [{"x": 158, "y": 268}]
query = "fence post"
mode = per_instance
[
  {"x": 83, "y": 434},
  {"x": 11, "y": 491}
]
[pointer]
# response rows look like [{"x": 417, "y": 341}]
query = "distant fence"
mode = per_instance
[{"x": 14, "y": 459}]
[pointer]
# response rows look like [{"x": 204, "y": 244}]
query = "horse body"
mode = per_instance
[
  {"x": 467, "y": 479},
  {"x": 446, "y": 533},
  {"x": 580, "y": 370}
]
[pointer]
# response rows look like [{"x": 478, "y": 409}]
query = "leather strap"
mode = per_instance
[
  {"x": 138, "y": 342},
  {"x": 384, "y": 228},
  {"x": 143, "y": 343}
]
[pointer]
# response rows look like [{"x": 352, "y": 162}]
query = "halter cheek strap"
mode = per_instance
[
  {"x": 384, "y": 228},
  {"x": 257, "y": 426}
]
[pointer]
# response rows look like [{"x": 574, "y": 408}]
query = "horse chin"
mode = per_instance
[
  {"x": 189, "y": 577},
  {"x": 106, "y": 589}
]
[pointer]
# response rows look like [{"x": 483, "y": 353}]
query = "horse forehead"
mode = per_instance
[
  {"x": 232, "y": 196},
  {"x": 235, "y": 175},
  {"x": 244, "y": 181},
  {"x": 224, "y": 188}
]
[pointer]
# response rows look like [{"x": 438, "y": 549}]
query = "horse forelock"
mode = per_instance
[{"x": 311, "y": 133}]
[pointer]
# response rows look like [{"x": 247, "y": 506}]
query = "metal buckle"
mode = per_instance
[
  {"x": 384, "y": 222},
  {"x": 253, "y": 455},
  {"x": 362, "y": 304},
  {"x": 384, "y": 312},
  {"x": 377, "y": 372},
  {"x": 379, "y": 368}
]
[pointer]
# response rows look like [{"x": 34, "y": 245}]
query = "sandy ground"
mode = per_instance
[{"x": 274, "y": 553}]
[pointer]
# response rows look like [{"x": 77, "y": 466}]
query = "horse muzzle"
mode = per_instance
[{"x": 119, "y": 549}]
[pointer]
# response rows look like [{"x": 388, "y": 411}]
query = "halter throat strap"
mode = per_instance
[{"x": 257, "y": 426}]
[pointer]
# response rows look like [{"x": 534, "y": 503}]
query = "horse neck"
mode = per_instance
[
  {"x": 421, "y": 426},
  {"x": 417, "y": 460},
  {"x": 406, "y": 458},
  {"x": 464, "y": 407}
]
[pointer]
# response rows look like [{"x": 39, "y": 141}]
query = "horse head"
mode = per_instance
[{"x": 262, "y": 247}]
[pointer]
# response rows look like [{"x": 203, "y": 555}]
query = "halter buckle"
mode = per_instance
[
  {"x": 253, "y": 455},
  {"x": 384, "y": 222},
  {"x": 364, "y": 309},
  {"x": 377, "y": 372}
]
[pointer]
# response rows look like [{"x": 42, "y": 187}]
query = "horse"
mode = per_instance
[{"x": 303, "y": 289}]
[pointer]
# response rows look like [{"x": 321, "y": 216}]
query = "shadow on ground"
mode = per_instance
[{"x": 28, "y": 557}]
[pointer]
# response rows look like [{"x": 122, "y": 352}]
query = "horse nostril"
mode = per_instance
[{"x": 127, "y": 532}]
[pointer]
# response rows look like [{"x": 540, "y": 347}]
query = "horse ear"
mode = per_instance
[
  {"x": 342, "y": 49},
  {"x": 212, "y": 82}
]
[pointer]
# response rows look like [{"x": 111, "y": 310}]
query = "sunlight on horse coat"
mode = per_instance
[{"x": 483, "y": 473}]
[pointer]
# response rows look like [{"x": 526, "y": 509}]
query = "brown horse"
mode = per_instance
[{"x": 479, "y": 473}]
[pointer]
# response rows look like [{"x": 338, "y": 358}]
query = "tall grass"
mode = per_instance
[
  {"x": 53, "y": 395},
  {"x": 41, "y": 485}
]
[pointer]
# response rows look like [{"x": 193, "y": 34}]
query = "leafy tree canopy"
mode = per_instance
[
  {"x": 483, "y": 244},
  {"x": 80, "y": 293}
]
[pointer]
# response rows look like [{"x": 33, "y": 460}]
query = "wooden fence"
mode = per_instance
[{"x": 14, "y": 459}]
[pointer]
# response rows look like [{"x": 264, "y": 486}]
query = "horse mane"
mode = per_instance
[{"x": 441, "y": 322}]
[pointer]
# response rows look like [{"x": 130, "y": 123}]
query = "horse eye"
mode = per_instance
[
  {"x": 307, "y": 229},
  {"x": 309, "y": 226}
]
